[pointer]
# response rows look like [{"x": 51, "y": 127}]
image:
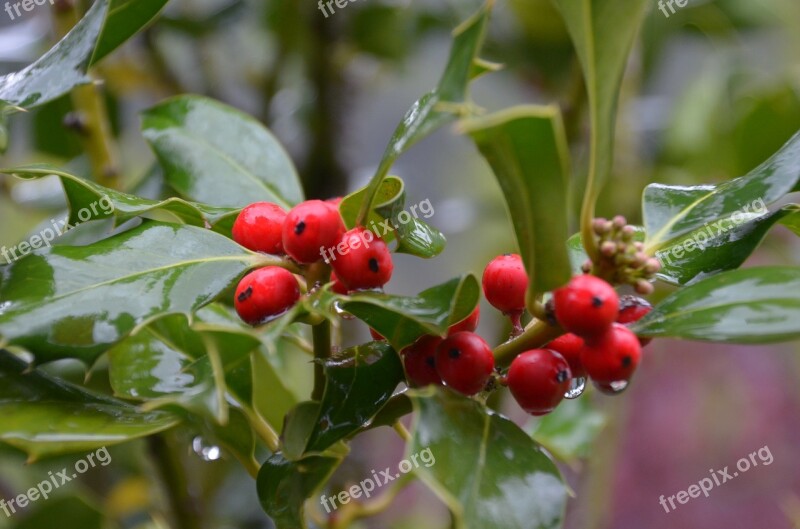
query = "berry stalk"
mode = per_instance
[{"x": 534, "y": 336}]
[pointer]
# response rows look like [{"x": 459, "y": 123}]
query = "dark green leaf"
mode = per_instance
[
  {"x": 527, "y": 150},
  {"x": 125, "y": 19},
  {"x": 300, "y": 424},
  {"x": 44, "y": 416},
  {"x": 59, "y": 70},
  {"x": 283, "y": 487},
  {"x": 486, "y": 470},
  {"x": 215, "y": 154},
  {"x": 749, "y": 306},
  {"x": 75, "y": 302},
  {"x": 569, "y": 432},
  {"x": 359, "y": 382}
]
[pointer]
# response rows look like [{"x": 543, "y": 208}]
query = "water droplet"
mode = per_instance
[
  {"x": 576, "y": 388},
  {"x": 4, "y": 306},
  {"x": 341, "y": 312},
  {"x": 613, "y": 388},
  {"x": 207, "y": 452}
]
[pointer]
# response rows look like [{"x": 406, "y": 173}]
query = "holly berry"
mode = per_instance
[
  {"x": 259, "y": 227},
  {"x": 505, "y": 282},
  {"x": 420, "y": 361},
  {"x": 586, "y": 306},
  {"x": 265, "y": 294},
  {"x": 631, "y": 310},
  {"x": 569, "y": 346},
  {"x": 469, "y": 324},
  {"x": 310, "y": 229},
  {"x": 538, "y": 380},
  {"x": 362, "y": 260},
  {"x": 465, "y": 362},
  {"x": 612, "y": 357}
]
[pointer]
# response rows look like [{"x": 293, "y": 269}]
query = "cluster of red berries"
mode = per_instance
[
  {"x": 597, "y": 345},
  {"x": 307, "y": 234}
]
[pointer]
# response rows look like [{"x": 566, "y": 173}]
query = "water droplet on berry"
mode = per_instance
[
  {"x": 576, "y": 388},
  {"x": 619, "y": 386},
  {"x": 206, "y": 451}
]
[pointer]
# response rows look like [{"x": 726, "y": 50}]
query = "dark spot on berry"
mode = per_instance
[
  {"x": 300, "y": 228},
  {"x": 244, "y": 296},
  {"x": 373, "y": 265},
  {"x": 431, "y": 361},
  {"x": 454, "y": 353},
  {"x": 561, "y": 376},
  {"x": 507, "y": 255},
  {"x": 626, "y": 361},
  {"x": 597, "y": 302}
]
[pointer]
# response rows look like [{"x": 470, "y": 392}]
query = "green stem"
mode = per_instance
[
  {"x": 322, "y": 350},
  {"x": 184, "y": 507},
  {"x": 536, "y": 335}
]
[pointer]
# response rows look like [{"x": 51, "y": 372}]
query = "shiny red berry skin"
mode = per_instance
[
  {"x": 505, "y": 282},
  {"x": 420, "y": 362},
  {"x": 259, "y": 227},
  {"x": 338, "y": 287},
  {"x": 469, "y": 324},
  {"x": 612, "y": 357},
  {"x": 310, "y": 228},
  {"x": 362, "y": 260},
  {"x": 586, "y": 306},
  {"x": 465, "y": 362},
  {"x": 569, "y": 346},
  {"x": 631, "y": 310},
  {"x": 265, "y": 294},
  {"x": 538, "y": 380}
]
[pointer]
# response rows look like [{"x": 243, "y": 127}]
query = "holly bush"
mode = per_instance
[{"x": 142, "y": 290}]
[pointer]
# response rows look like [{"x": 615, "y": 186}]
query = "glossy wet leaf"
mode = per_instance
[
  {"x": 671, "y": 212},
  {"x": 526, "y": 148},
  {"x": 125, "y": 19},
  {"x": 298, "y": 427},
  {"x": 217, "y": 155},
  {"x": 487, "y": 470},
  {"x": 720, "y": 246},
  {"x": 76, "y": 302},
  {"x": 283, "y": 487},
  {"x": 747, "y": 306},
  {"x": 359, "y": 382},
  {"x": 569, "y": 432},
  {"x": 603, "y": 32},
  {"x": 87, "y": 199},
  {"x": 59, "y": 70},
  {"x": 440, "y": 106},
  {"x": 44, "y": 416},
  {"x": 404, "y": 319}
]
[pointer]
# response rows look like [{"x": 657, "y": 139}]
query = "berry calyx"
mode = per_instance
[
  {"x": 468, "y": 324},
  {"x": 310, "y": 228},
  {"x": 265, "y": 294},
  {"x": 631, "y": 310},
  {"x": 586, "y": 306},
  {"x": 538, "y": 380},
  {"x": 465, "y": 362},
  {"x": 505, "y": 282},
  {"x": 420, "y": 361},
  {"x": 259, "y": 227},
  {"x": 569, "y": 346},
  {"x": 362, "y": 260},
  {"x": 612, "y": 357}
]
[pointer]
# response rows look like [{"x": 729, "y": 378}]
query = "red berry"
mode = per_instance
[
  {"x": 338, "y": 287},
  {"x": 259, "y": 227},
  {"x": 465, "y": 362},
  {"x": 569, "y": 346},
  {"x": 505, "y": 282},
  {"x": 362, "y": 260},
  {"x": 586, "y": 306},
  {"x": 335, "y": 201},
  {"x": 420, "y": 362},
  {"x": 538, "y": 380},
  {"x": 469, "y": 324},
  {"x": 266, "y": 294},
  {"x": 311, "y": 228},
  {"x": 631, "y": 310},
  {"x": 612, "y": 357}
]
